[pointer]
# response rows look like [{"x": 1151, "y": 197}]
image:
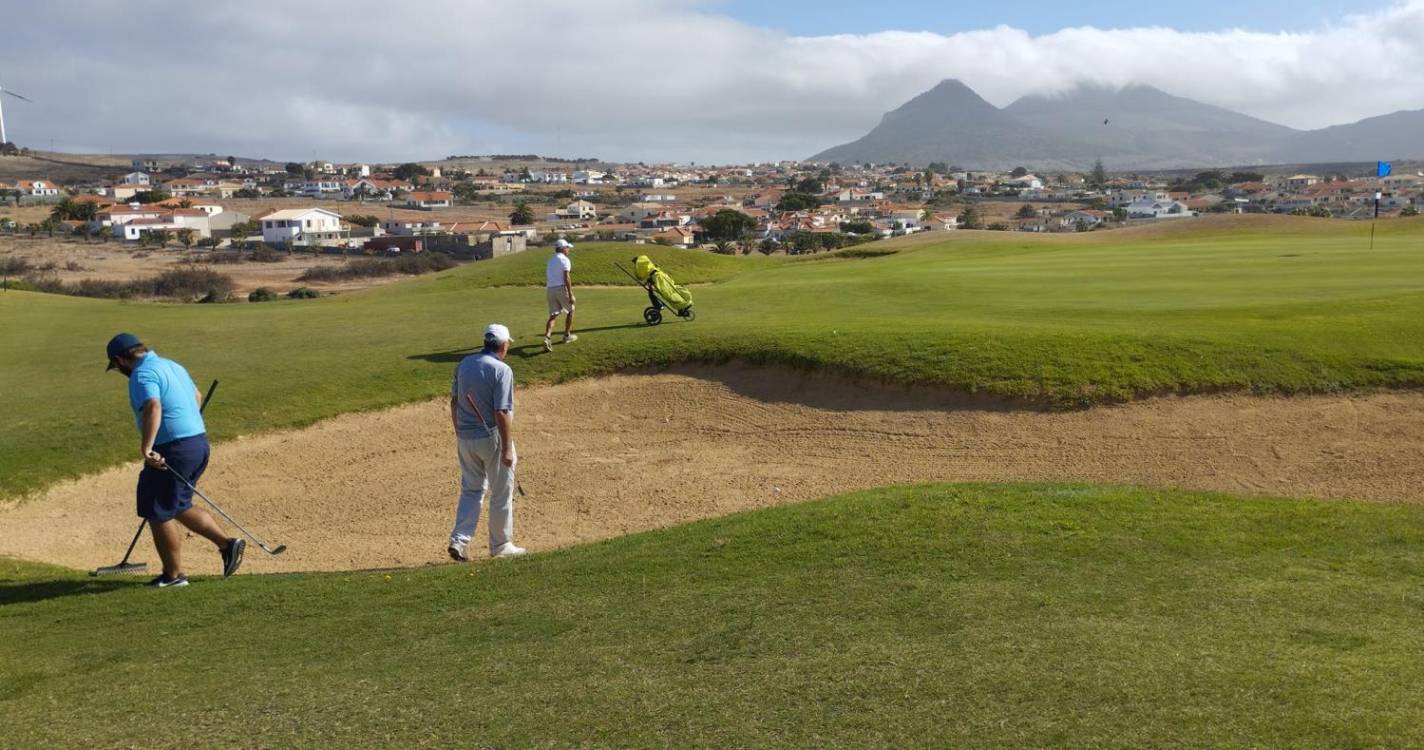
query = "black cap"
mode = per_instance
[{"x": 119, "y": 346}]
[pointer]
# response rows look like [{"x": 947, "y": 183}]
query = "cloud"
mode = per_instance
[{"x": 618, "y": 79}]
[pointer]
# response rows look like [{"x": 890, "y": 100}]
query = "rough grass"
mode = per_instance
[
  {"x": 969, "y": 616},
  {"x": 366, "y": 268},
  {"x": 1289, "y": 306}
]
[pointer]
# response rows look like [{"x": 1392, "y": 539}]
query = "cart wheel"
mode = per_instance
[
  {"x": 689, "y": 313},
  {"x": 652, "y": 316}
]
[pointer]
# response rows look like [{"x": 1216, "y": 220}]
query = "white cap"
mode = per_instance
[
  {"x": 563, "y": 244},
  {"x": 498, "y": 333}
]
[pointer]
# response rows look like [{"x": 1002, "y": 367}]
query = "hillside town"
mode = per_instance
[{"x": 490, "y": 205}]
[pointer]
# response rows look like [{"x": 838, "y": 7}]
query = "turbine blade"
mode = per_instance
[{"x": 17, "y": 96}]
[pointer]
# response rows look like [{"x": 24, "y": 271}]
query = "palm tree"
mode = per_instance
[{"x": 522, "y": 215}]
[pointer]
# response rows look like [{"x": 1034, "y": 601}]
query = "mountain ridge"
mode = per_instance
[{"x": 1132, "y": 127}]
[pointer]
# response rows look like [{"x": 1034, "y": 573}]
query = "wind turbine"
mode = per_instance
[{"x": 3, "y": 90}]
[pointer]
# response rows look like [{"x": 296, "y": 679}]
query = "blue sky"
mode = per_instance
[{"x": 818, "y": 17}]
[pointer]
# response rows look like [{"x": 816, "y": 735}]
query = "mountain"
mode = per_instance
[
  {"x": 1140, "y": 127},
  {"x": 1136, "y": 127},
  {"x": 950, "y": 123},
  {"x": 1396, "y": 136}
]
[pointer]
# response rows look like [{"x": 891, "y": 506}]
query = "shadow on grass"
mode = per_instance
[
  {"x": 37, "y": 591},
  {"x": 527, "y": 351}
]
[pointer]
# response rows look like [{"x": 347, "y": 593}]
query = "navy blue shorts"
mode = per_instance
[{"x": 160, "y": 495}]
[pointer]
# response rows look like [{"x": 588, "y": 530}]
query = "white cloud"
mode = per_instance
[{"x": 621, "y": 79}]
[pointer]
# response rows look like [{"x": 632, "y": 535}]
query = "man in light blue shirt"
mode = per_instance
[
  {"x": 482, "y": 413},
  {"x": 173, "y": 442}
]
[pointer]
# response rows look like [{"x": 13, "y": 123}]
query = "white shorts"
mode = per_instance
[{"x": 559, "y": 301}]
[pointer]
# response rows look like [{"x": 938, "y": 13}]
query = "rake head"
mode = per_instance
[{"x": 120, "y": 569}]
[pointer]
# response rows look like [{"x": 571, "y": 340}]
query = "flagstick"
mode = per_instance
[{"x": 1373, "y": 222}]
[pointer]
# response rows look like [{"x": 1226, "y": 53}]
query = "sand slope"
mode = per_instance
[{"x": 378, "y": 489}]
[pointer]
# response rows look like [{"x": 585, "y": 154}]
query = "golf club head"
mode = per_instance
[
  {"x": 280, "y": 549},
  {"x": 125, "y": 569}
]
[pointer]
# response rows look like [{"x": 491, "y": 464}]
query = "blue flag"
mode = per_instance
[{"x": 1385, "y": 169}]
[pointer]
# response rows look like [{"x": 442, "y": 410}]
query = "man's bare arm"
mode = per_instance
[
  {"x": 505, "y": 421},
  {"x": 569, "y": 285},
  {"x": 152, "y": 417}
]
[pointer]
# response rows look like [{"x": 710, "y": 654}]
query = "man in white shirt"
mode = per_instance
[{"x": 559, "y": 290}]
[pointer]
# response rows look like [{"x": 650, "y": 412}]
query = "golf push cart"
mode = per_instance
[{"x": 663, "y": 292}]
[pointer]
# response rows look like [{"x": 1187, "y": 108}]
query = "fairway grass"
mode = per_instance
[
  {"x": 948, "y": 616},
  {"x": 1270, "y": 305}
]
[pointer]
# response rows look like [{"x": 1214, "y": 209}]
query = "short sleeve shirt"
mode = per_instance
[
  {"x": 558, "y": 265},
  {"x": 167, "y": 381},
  {"x": 482, "y": 386}
]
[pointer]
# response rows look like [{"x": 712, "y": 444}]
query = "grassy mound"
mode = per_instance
[
  {"x": 1276, "y": 305},
  {"x": 594, "y": 264},
  {"x": 985, "y": 616}
]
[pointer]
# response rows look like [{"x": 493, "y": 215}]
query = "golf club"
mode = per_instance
[
  {"x": 279, "y": 549},
  {"x": 125, "y": 567}
]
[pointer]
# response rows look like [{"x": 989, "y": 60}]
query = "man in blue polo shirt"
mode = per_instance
[
  {"x": 482, "y": 413},
  {"x": 173, "y": 442}
]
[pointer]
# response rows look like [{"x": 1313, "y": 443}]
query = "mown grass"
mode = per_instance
[
  {"x": 1279, "y": 306},
  {"x": 948, "y": 616}
]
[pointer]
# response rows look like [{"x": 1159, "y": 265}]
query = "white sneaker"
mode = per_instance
[
  {"x": 508, "y": 550},
  {"x": 570, "y": 338},
  {"x": 548, "y": 345}
]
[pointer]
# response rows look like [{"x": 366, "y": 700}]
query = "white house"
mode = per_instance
[
  {"x": 579, "y": 210},
  {"x": 1153, "y": 209},
  {"x": 37, "y": 188},
  {"x": 1087, "y": 218},
  {"x": 429, "y": 199},
  {"x": 539, "y": 175},
  {"x": 136, "y": 178},
  {"x": 909, "y": 219},
  {"x": 638, "y": 211},
  {"x": 408, "y": 228},
  {"x": 303, "y": 226},
  {"x": 588, "y": 177},
  {"x": 322, "y": 186},
  {"x": 1027, "y": 182},
  {"x": 1121, "y": 198},
  {"x": 371, "y": 188},
  {"x": 117, "y": 216}
]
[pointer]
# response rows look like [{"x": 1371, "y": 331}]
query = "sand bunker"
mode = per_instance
[{"x": 597, "y": 456}]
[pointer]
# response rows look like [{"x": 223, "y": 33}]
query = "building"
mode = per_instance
[
  {"x": 408, "y": 228},
  {"x": 638, "y": 211},
  {"x": 427, "y": 200},
  {"x": 303, "y": 227},
  {"x": 35, "y": 188},
  {"x": 372, "y": 188},
  {"x": 322, "y": 186},
  {"x": 1154, "y": 209},
  {"x": 136, "y": 178},
  {"x": 675, "y": 236},
  {"x": 1086, "y": 218},
  {"x": 576, "y": 211}
]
